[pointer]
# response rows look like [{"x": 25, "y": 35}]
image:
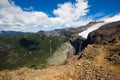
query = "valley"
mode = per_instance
[
  {"x": 28, "y": 50},
  {"x": 62, "y": 57}
]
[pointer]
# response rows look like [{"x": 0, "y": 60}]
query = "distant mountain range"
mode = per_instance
[
  {"x": 8, "y": 33},
  {"x": 73, "y": 32},
  {"x": 53, "y": 32},
  {"x": 67, "y": 31}
]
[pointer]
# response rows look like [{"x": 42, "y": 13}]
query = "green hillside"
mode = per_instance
[{"x": 28, "y": 50}]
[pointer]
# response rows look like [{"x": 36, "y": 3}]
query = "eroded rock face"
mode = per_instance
[
  {"x": 61, "y": 54},
  {"x": 108, "y": 33},
  {"x": 78, "y": 44}
]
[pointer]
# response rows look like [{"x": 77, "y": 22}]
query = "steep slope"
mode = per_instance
[
  {"x": 61, "y": 54},
  {"x": 28, "y": 50},
  {"x": 100, "y": 60},
  {"x": 73, "y": 32},
  {"x": 85, "y": 33},
  {"x": 106, "y": 34}
]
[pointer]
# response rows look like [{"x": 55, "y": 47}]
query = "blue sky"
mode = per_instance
[
  {"x": 35, "y": 15},
  {"x": 104, "y": 7},
  {"x": 46, "y": 6}
]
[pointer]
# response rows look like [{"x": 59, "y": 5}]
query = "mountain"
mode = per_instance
[
  {"x": 99, "y": 60},
  {"x": 73, "y": 32},
  {"x": 53, "y": 32},
  {"x": 28, "y": 50},
  {"x": 17, "y": 45},
  {"x": 8, "y": 33},
  {"x": 108, "y": 33},
  {"x": 69, "y": 31},
  {"x": 77, "y": 36},
  {"x": 85, "y": 33}
]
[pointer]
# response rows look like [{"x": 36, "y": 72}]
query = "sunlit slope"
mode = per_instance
[{"x": 29, "y": 50}]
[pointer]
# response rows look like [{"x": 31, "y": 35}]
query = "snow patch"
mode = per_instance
[{"x": 85, "y": 33}]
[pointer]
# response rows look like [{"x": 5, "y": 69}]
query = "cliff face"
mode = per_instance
[
  {"x": 100, "y": 60},
  {"x": 61, "y": 54},
  {"x": 109, "y": 33}
]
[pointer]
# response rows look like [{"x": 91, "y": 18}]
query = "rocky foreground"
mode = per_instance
[{"x": 100, "y": 60}]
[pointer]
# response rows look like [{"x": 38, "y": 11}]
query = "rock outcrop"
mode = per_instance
[
  {"x": 109, "y": 33},
  {"x": 61, "y": 54}
]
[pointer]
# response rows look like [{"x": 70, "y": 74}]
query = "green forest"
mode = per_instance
[{"x": 28, "y": 50}]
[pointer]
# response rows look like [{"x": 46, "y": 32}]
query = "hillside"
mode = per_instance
[
  {"x": 28, "y": 50},
  {"x": 100, "y": 60}
]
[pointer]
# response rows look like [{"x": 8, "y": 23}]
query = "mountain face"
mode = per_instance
[
  {"x": 77, "y": 36},
  {"x": 73, "y": 32},
  {"x": 105, "y": 34},
  {"x": 28, "y": 50},
  {"x": 62, "y": 53},
  {"x": 54, "y": 32},
  {"x": 85, "y": 33}
]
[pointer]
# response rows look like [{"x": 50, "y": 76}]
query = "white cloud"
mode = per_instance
[
  {"x": 71, "y": 12},
  {"x": 68, "y": 13},
  {"x": 12, "y": 17}
]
